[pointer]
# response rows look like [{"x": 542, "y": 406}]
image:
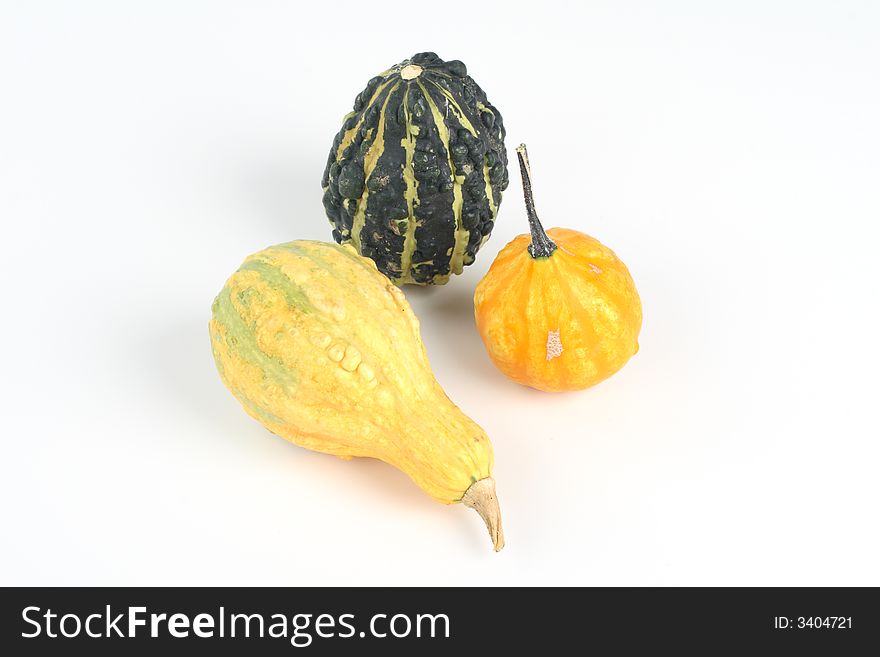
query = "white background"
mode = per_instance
[{"x": 727, "y": 151}]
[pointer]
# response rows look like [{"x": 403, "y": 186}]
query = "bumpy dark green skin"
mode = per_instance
[{"x": 365, "y": 196}]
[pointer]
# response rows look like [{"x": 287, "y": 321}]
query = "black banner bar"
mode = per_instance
[{"x": 114, "y": 621}]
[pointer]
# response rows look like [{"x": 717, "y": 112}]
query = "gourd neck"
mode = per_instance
[{"x": 541, "y": 246}]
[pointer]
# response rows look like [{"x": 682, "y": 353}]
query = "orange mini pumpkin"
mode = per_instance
[{"x": 557, "y": 310}]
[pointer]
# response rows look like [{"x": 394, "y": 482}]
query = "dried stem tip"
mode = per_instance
[
  {"x": 542, "y": 246},
  {"x": 481, "y": 497}
]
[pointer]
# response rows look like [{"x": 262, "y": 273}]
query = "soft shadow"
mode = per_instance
[
  {"x": 446, "y": 315},
  {"x": 271, "y": 187},
  {"x": 181, "y": 377},
  {"x": 180, "y": 368},
  {"x": 286, "y": 194}
]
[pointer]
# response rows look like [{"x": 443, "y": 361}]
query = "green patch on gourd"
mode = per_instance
[
  {"x": 276, "y": 279},
  {"x": 242, "y": 341}
]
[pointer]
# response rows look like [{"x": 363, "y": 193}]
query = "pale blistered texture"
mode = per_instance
[
  {"x": 325, "y": 351},
  {"x": 563, "y": 322}
]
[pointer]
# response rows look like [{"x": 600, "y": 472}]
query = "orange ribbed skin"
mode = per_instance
[{"x": 563, "y": 322}]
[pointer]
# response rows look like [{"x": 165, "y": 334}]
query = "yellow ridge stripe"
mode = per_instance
[
  {"x": 373, "y": 154},
  {"x": 459, "y": 113},
  {"x": 409, "y": 240},
  {"x": 456, "y": 258},
  {"x": 350, "y": 134},
  {"x": 489, "y": 196}
]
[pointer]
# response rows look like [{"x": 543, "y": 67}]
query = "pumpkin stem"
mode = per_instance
[
  {"x": 481, "y": 497},
  {"x": 542, "y": 246}
]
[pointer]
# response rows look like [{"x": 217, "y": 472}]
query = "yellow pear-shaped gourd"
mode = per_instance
[
  {"x": 557, "y": 310},
  {"x": 325, "y": 351}
]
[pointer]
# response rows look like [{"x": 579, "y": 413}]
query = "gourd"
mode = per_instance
[
  {"x": 325, "y": 352},
  {"x": 414, "y": 177},
  {"x": 557, "y": 310}
]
